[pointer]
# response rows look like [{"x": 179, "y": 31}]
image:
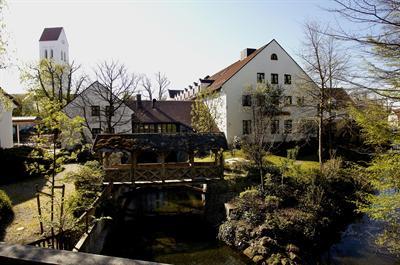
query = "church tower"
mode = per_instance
[{"x": 53, "y": 45}]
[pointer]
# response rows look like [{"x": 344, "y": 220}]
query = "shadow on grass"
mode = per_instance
[
  {"x": 5, "y": 221},
  {"x": 22, "y": 191}
]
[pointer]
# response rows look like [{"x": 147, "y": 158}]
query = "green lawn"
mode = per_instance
[{"x": 306, "y": 164}]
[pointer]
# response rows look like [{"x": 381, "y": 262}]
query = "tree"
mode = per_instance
[
  {"x": 64, "y": 131},
  {"x": 3, "y": 38},
  {"x": 377, "y": 37},
  {"x": 265, "y": 106},
  {"x": 205, "y": 111},
  {"x": 158, "y": 89},
  {"x": 53, "y": 81},
  {"x": 325, "y": 65}
]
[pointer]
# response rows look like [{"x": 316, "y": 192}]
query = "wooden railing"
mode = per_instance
[
  {"x": 163, "y": 172},
  {"x": 63, "y": 240}
]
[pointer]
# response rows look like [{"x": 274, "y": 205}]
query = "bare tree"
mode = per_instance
[
  {"x": 325, "y": 65},
  {"x": 158, "y": 89},
  {"x": 162, "y": 84},
  {"x": 147, "y": 86},
  {"x": 264, "y": 106},
  {"x": 375, "y": 34},
  {"x": 56, "y": 82},
  {"x": 120, "y": 86}
]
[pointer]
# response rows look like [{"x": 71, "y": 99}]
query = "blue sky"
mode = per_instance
[{"x": 185, "y": 39}]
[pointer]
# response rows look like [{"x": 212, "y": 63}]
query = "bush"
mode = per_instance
[
  {"x": 5, "y": 208},
  {"x": 88, "y": 183},
  {"x": 15, "y": 163}
]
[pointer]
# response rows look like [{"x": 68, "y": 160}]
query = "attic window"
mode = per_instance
[{"x": 274, "y": 57}]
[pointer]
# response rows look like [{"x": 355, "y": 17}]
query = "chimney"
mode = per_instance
[
  {"x": 154, "y": 103},
  {"x": 246, "y": 52},
  {"x": 138, "y": 101}
]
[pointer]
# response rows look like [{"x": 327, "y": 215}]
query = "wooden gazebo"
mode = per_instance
[{"x": 162, "y": 144}]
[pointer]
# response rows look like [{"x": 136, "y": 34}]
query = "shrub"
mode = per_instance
[
  {"x": 5, "y": 208},
  {"x": 88, "y": 183},
  {"x": 17, "y": 163}
]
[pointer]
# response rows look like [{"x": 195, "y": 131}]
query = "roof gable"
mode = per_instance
[{"x": 51, "y": 34}]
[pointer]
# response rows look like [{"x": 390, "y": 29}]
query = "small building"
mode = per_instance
[
  {"x": 7, "y": 104},
  {"x": 23, "y": 127}
]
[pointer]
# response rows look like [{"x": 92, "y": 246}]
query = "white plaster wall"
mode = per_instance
[
  {"x": 6, "y": 129},
  {"x": 247, "y": 76},
  {"x": 81, "y": 106},
  {"x": 58, "y": 46}
]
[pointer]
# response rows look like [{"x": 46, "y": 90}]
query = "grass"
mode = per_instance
[
  {"x": 306, "y": 163},
  {"x": 25, "y": 226}
]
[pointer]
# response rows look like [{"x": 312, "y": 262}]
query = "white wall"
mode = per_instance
[
  {"x": 247, "y": 76},
  {"x": 58, "y": 46},
  {"x": 6, "y": 129},
  {"x": 81, "y": 106}
]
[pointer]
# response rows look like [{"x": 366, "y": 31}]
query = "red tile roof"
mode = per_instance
[
  {"x": 163, "y": 111},
  {"x": 50, "y": 34},
  {"x": 225, "y": 74}
]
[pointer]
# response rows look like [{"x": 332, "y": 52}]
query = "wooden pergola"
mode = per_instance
[{"x": 162, "y": 144}]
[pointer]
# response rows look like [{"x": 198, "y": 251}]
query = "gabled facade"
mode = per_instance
[
  {"x": 91, "y": 105},
  {"x": 270, "y": 63},
  {"x": 53, "y": 44},
  {"x": 131, "y": 116}
]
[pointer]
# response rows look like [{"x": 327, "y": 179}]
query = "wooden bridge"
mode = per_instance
[{"x": 182, "y": 146}]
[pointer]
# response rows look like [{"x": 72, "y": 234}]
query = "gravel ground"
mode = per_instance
[{"x": 25, "y": 226}]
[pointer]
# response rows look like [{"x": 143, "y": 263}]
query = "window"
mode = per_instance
[
  {"x": 95, "y": 132},
  {"x": 246, "y": 127},
  {"x": 274, "y": 78},
  {"x": 288, "y": 79},
  {"x": 45, "y": 54},
  {"x": 260, "y": 78},
  {"x": 274, "y": 57},
  {"x": 288, "y": 100},
  {"x": 95, "y": 110},
  {"x": 111, "y": 130},
  {"x": 110, "y": 111},
  {"x": 246, "y": 100},
  {"x": 288, "y": 126},
  {"x": 51, "y": 53},
  {"x": 275, "y": 127},
  {"x": 300, "y": 101}
]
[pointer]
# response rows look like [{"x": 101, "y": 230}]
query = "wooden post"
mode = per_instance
[
  {"x": 163, "y": 167},
  {"x": 216, "y": 157},
  {"x": 18, "y": 139},
  {"x": 191, "y": 157},
  {"x": 62, "y": 205},
  {"x": 133, "y": 166},
  {"x": 40, "y": 212}
]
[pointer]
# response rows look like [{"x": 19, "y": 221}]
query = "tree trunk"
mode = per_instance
[
  {"x": 320, "y": 135},
  {"x": 262, "y": 178}
]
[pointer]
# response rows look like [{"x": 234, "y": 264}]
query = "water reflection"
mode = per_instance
[{"x": 357, "y": 246}]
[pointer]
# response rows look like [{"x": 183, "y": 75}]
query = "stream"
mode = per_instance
[{"x": 357, "y": 246}]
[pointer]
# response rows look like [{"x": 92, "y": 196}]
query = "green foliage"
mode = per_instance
[
  {"x": 88, "y": 184},
  {"x": 373, "y": 121},
  {"x": 301, "y": 210},
  {"x": 204, "y": 111},
  {"x": 17, "y": 164},
  {"x": 5, "y": 205},
  {"x": 384, "y": 205}
]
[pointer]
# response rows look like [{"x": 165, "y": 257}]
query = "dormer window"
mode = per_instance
[{"x": 274, "y": 57}]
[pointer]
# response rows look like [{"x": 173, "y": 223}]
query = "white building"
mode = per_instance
[
  {"x": 53, "y": 44},
  {"x": 6, "y": 127},
  {"x": 270, "y": 63},
  {"x": 91, "y": 105}
]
